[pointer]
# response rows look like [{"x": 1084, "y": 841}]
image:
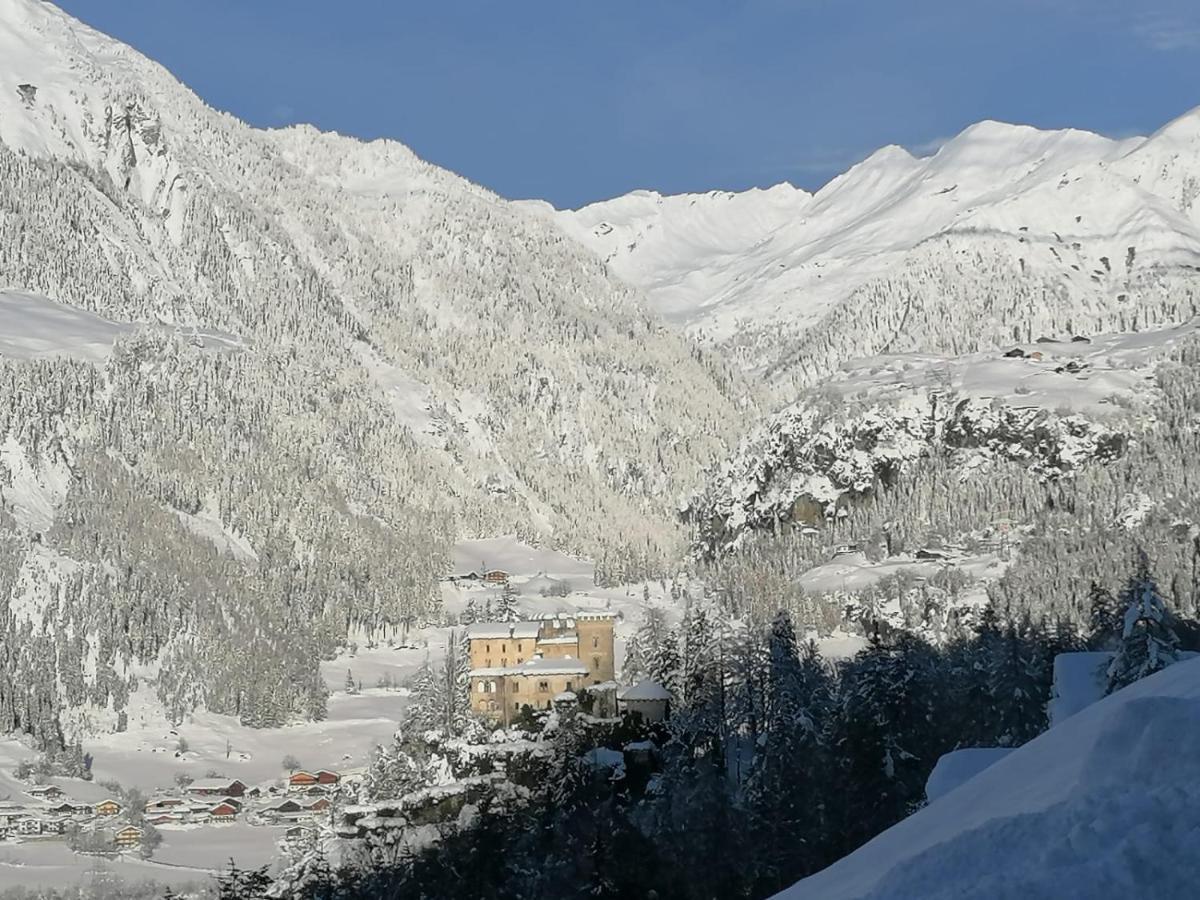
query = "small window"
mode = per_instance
[
  {"x": 595, "y": 662},
  {"x": 488, "y": 647},
  {"x": 596, "y": 642},
  {"x": 504, "y": 648},
  {"x": 504, "y": 663},
  {"x": 482, "y": 687},
  {"x": 487, "y": 663},
  {"x": 516, "y": 687},
  {"x": 570, "y": 685},
  {"x": 544, "y": 687}
]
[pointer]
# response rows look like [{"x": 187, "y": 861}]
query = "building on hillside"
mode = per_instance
[
  {"x": 127, "y": 837},
  {"x": 30, "y": 827},
  {"x": 216, "y": 787},
  {"x": 322, "y": 779},
  {"x": 519, "y": 664},
  {"x": 225, "y": 811},
  {"x": 649, "y": 699},
  {"x": 45, "y": 792},
  {"x": 109, "y": 807}
]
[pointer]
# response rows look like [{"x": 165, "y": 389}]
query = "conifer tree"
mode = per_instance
[{"x": 1148, "y": 640}]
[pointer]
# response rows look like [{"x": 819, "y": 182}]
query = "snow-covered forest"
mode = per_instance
[{"x": 848, "y": 470}]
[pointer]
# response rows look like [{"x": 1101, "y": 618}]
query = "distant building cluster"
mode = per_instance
[{"x": 49, "y": 814}]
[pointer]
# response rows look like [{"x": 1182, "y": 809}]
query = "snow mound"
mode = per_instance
[
  {"x": 1107, "y": 804},
  {"x": 960, "y": 766}
]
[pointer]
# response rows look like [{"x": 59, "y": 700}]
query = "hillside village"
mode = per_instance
[{"x": 116, "y": 824}]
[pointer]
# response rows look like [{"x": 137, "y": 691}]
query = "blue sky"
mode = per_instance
[{"x": 574, "y": 101}]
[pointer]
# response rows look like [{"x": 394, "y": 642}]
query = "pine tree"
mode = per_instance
[
  {"x": 507, "y": 607},
  {"x": 1105, "y": 618},
  {"x": 1148, "y": 640}
]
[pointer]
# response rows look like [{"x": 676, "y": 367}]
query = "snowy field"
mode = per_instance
[{"x": 1080, "y": 376}]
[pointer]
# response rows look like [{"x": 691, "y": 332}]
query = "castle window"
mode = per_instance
[
  {"x": 504, "y": 662},
  {"x": 570, "y": 685},
  {"x": 482, "y": 687},
  {"x": 504, "y": 648},
  {"x": 516, "y": 687},
  {"x": 487, "y": 648},
  {"x": 596, "y": 642},
  {"x": 595, "y": 662},
  {"x": 544, "y": 687}
]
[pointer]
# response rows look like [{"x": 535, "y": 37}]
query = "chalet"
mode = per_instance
[
  {"x": 216, "y": 787},
  {"x": 287, "y": 810},
  {"x": 109, "y": 807},
  {"x": 223, "y": 812},
  {"x": 163, "y": 804},
  {"x": 322, "y": 780},
  {"x": 319, "y": 805},
  {"x": 166, "y": 819},
  {"x": 45, "y": 792},
  {"x": 70, "y": 809},
  {"x": 129, "y": 836},
  {"x": 54, "y": 826},
  {"x": 495, "y": 576},
  {"x": 30, "y": 826},
  {"x": 299, "y": 833}
]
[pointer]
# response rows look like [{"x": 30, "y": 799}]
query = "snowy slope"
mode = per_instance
[
  {"x": 1107, "y": 804},
  {"x": 32, "y": 326},
  {"x": 1067, "y": 213}
]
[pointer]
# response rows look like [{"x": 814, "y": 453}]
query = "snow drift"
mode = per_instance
[{"x": 1107, "y": 804}]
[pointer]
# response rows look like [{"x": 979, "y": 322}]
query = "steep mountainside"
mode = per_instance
[
  {"x": 253, "y": 383},
  {"x": 1007, "y": 233}
]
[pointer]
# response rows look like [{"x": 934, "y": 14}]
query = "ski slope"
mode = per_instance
[{"x": 1105, "y": 804}]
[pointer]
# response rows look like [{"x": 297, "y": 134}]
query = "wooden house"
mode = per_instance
[
  {"x": 129, "y": 836},
  {"x": 45, "y": 792},
  {"x": 216, "y": 787},
  {"x": 109, "y": 807},
  {"x": 223, "y": 812}
]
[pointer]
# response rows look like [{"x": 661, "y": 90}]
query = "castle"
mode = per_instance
[{"x": 529, "y": 663}]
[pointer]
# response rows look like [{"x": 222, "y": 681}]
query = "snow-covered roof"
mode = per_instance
[
  {"x": 644, "y": 691},
  {"x": 212, "y": 784},
  {"x": 572, "y": 639},
  {"x": 565, "y": 697},
  {"x": 503, "y": 630},
  {"x": 536, "y": 666}
]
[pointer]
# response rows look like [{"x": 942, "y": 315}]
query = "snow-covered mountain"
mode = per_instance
[
  {"x": 1006, "y": 233},
  {"x": 1102, "y": 805},
  {"x": 254, "y": 383}
]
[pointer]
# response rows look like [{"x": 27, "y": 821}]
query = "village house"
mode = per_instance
[
  {"x": 225, "y": 811},
  {"x": 45, "y": 792},
  {"x": 322, "y": 779},
  {"x": 30, "y": 827},
  {"x": 108, "y": 807},
  {"x": 128, "y": 837},
  {"x": 216, "y": 787},
  {"x": 519, "y": 664}
]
